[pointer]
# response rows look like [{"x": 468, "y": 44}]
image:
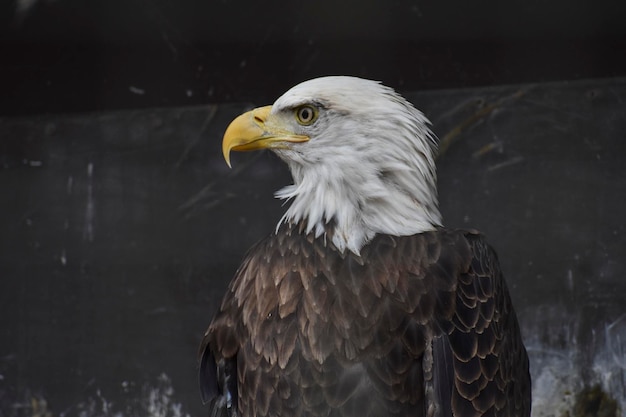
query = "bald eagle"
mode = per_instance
[{"x": 361, "y": 303}]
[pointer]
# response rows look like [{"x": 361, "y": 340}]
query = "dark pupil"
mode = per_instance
[{"x": 305, "y": 114}]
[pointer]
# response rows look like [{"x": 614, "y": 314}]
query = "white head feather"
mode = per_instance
[{"x": 368, "y": 168}]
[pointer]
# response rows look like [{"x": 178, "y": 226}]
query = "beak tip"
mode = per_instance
[{"x": 227, "y": 158}]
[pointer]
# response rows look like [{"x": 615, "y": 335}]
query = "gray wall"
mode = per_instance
[{"x": 122, "y": 229}]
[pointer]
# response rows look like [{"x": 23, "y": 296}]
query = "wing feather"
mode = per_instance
[{"x": 415, "y": 326}]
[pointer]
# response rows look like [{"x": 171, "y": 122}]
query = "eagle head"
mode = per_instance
[{"x": 361, "y": 156}]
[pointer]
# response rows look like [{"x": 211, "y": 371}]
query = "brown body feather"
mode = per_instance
[{"x": 418, "y": 325}]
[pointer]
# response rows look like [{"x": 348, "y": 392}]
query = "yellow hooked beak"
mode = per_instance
[{"x": 258, "y": 129}]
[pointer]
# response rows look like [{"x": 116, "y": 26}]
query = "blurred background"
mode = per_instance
[{"x": 120, "y": 224}]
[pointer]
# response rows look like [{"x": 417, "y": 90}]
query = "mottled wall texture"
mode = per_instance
[{"x": 121, "y": 230}]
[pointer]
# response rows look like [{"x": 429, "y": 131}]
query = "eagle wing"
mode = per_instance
[
  {"x": 488, "y": 362},
  {"x": 419, "y": 325}
]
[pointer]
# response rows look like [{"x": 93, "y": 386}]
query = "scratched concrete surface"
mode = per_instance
[{"x": 121, "y": 230}]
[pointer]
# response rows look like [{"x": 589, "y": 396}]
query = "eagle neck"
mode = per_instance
[{"x": 348, "y": 207}]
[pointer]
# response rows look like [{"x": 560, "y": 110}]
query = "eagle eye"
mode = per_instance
[{"x": 306, "y": 115}]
